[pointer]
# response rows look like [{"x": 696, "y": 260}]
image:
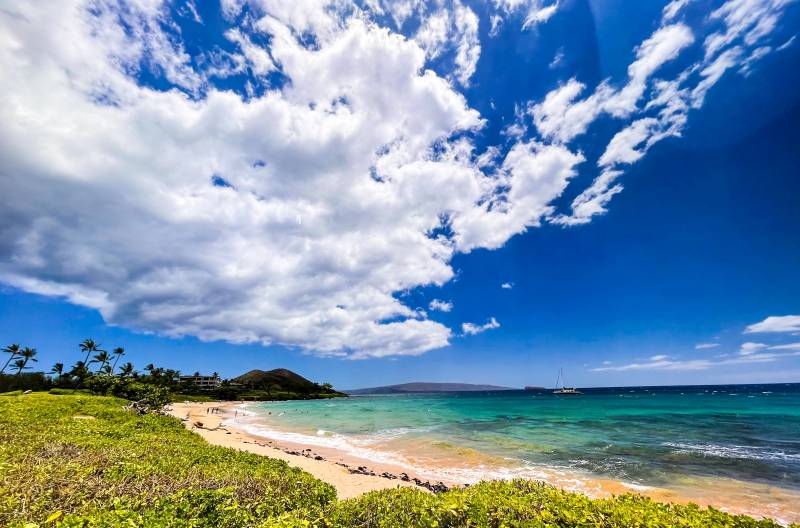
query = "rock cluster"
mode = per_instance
[{"x": 435, "y": 487}]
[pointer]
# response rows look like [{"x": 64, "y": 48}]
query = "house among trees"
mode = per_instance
[{"x": 204, "y": 382}]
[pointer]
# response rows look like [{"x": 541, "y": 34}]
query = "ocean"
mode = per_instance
[{"x": 735, "y": 446}]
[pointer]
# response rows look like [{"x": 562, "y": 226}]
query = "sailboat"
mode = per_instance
[{"x": 562, "y": 390}]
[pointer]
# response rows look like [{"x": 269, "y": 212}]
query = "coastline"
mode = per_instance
[
  {"x": 353, "y": 476},
  {"x": 215, "y": 431}
]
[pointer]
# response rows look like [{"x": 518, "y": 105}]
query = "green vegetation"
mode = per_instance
[
  {"x": 155, "y": 384},
  {"x": 83, "y": 461}
]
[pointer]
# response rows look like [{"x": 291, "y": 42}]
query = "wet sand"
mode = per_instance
[{"x": 352, "y": 475}]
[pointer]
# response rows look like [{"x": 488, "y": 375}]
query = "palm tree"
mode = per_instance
[
  {"x": 58, "y": 370},
  {"x": 80, "y": 371},
  {"x": 90, "y": 347},
  {"x": 19, "y": 364},
  {"x": 150, "y": 368},
  {"x": 101, "y": 357},
  {"x": 126, "y": 370},
  {"x": 27, "y": 354},
  {"x": 14, "y": 351},
  {"x": 117, "y": 353}
]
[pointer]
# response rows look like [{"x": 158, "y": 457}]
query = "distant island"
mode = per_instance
[{"x": 421, "y": 386}]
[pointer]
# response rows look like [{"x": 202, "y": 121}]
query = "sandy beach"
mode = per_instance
[
  {"x": 326, "y": 468},
  {"x": 353, "y": 476}
]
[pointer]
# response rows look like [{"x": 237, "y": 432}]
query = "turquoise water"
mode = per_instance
[{"x": 642, "y": 436}]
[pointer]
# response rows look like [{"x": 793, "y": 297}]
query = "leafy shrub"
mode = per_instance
[
  {"x": 99, "y": 465},
  {"x": 148, "y": 395},
  {"x": 68, "y": 392}
]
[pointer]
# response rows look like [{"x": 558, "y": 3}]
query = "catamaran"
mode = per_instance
[{"x": 562, "y": 390}]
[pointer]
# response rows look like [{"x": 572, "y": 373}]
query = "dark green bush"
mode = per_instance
[{"x": 35, "y": 381}]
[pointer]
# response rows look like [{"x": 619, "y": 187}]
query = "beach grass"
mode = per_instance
[{"x": 79, "y": 460}]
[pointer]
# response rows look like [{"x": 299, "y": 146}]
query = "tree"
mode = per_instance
[
  {"x": 13, "y": 350},
  {"x": 19, "y": 364},
  {"x": 126, "y": 370},
  {"x": 150, "y": 368},
  {"x": 58, "y": 370},
  {"x": 117, "y": 353},
  {"x": 101, "y": 357},
  {"x": 27, "y": 354},
  {"x": 80, "y": 371},
  {"x": 90, "y": 347}
]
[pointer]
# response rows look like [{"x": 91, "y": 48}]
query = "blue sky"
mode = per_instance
[{"x": 383, "y": 192}]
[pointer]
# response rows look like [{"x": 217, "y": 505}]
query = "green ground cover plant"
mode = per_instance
[{"x": 75, "y": 460}]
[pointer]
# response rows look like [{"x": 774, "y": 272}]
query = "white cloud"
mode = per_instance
[
  {"x": 507, "y": 285},
  {"x": 672, "y": 9},
  {"x": 456, "y": 29},
  {"x": 786, "y": 44},
  {"x": 303, "y": 248},
  {"x": 335, "y": 182},
  {"x": 496, "y": 22},
  {"x": 748, "y": 355},
  {"x": 704, "y": 346},
  {"x": 535, "y": 11},
  {"x": 562, "y": 115},
  {"x": 775, "y": 324},
  {"x": 659, "y": 363},
  {"x": 749, "y": 348},
  {"x": 787, "y": 346},
  {"x": 442, "y": 306},
  {"x": 469, "y": 48},
  {"x": 534, "y": 175},
  {"x": 473, "y": 329}
]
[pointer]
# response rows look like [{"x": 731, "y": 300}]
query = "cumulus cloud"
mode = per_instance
[
  {"x": 293, "y": 217},
  {"x": 473, "y": 329},
  {"x": 775, "y": 324},
  {"x": 441, "y": 306},
  {"x": 507, "y": 285},
  {"x": 302, "y": 247}
]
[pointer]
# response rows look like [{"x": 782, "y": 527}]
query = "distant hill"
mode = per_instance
[
  {"x": 427, "y": 387},
  {"x": 277, "y": 379}
]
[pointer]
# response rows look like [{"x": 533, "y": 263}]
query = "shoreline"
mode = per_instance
[
  {"x": 353, "y": 476},
  {"x": 348, "y": 480}
]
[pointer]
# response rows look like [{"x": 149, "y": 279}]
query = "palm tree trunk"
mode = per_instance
[{"x": 7, "y": 362}]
